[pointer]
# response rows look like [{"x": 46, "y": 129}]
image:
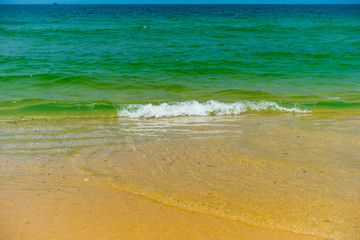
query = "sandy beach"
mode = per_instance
[
  {"x": 74, "y": 209},
  {"x": 180, "y": 178}
]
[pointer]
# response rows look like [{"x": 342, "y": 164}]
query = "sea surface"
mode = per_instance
[
  {"x": 182, "y": 59},
  {"x": 246, "y": 113}
]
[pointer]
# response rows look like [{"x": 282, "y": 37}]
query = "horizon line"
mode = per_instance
[{"x": 179, "y": 3}]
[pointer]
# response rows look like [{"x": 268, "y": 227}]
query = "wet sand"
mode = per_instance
[
  {"x": 91, "y": 210},
  {"x": 267, "y": 177}
]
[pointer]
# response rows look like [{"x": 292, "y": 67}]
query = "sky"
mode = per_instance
[{"x": 179, "y": 1}]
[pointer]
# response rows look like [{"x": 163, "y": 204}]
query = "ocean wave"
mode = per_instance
[{"x": 209, "y": 108}]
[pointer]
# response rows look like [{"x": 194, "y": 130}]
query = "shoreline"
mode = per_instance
[
  {"x": 273, "y": 172},
  {"x": 91, "y": 211}
]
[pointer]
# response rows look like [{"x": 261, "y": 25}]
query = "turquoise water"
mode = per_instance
[{"x": 182, "y": 59}]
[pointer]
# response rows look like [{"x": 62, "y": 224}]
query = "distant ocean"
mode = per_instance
[{"x": 175, "y": 60}]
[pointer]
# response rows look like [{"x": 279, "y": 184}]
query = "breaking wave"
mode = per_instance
[{"x": 195, "y": 108}]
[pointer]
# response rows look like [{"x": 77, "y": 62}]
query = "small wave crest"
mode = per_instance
[{"x": 195, "y": 108}]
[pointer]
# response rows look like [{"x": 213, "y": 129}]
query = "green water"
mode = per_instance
[{"x": 102, "y": 59}]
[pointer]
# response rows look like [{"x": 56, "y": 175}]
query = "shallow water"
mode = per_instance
[{"x": 295, "y": 173}]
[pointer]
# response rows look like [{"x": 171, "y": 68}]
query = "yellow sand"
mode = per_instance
[
  {"x": 31, "y": 209},
  {"x": 258, "y": 177}
]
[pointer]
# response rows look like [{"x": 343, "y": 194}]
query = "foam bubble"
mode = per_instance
[{"x": 194, "y": 108}]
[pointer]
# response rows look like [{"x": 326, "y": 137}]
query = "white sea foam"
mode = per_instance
[{"x": 194, "y": 108}]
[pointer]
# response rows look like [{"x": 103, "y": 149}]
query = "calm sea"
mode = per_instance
[{"x": 181, "y": 59}]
